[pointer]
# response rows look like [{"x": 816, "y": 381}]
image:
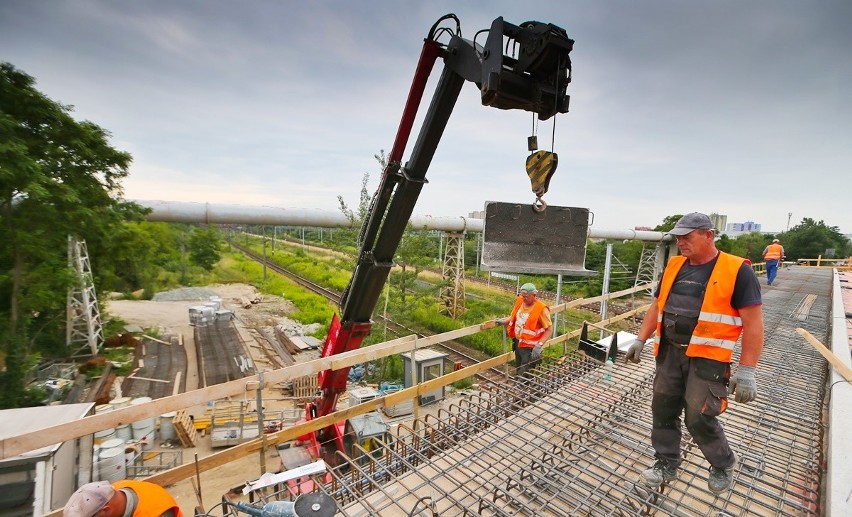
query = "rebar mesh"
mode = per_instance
[{"x": 570, "y": 441}]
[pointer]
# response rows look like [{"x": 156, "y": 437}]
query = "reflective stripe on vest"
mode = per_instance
[
  {"x": 719, "y": 325},
  {"x": 773, "y": 252},
  {"x": 154, "y": 500},
  {"x": 531, "y": 331}
]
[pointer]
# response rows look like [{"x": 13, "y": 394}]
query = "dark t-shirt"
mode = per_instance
[{"x": 680, "y": 314}]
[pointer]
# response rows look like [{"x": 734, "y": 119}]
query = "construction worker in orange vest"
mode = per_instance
[
  {"x": 773, "y": 255},
  {"x": 134, "y": 498},
  {"x": 705, "y": 301},
  {"x": 531, "y": 326}
]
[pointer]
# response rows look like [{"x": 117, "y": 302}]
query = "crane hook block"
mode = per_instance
[{"x": 540, "y": 168}]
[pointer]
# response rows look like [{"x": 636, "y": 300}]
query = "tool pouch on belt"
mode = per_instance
[{"x": 711, "y": 370}]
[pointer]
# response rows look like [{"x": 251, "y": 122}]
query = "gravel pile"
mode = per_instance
[{"x": 185, "y": 294}]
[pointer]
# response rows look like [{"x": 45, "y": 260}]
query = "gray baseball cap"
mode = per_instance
[{"x": 690, "y": 222}]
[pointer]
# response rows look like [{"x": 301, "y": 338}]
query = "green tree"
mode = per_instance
[
  {"x": 205, "y": 247},
  {"x": 412, "y": 256},
  {"x": 668, "y": 223},
  {"x": 810, "y": 239},
  {"x": 58, "y": 177}
]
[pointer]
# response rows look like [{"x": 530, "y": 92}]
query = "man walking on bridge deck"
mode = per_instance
[
  {"x": 705, "y": 301},
  {"x": 773, "y": 255}
]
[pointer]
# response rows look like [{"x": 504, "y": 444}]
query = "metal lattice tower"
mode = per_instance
[
  {"x": 452, "y": 293},
  {"x": 648, "y": 270},
  {"x": 83, "y": 322}
]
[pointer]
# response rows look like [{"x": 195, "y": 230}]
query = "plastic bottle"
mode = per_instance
[{"x": 609, "y": 366}]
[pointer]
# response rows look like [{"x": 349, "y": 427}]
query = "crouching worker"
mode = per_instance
[{"x": 122, "y": 498}]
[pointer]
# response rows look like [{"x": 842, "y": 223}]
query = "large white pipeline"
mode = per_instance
[{"x": 219, "y": 213}]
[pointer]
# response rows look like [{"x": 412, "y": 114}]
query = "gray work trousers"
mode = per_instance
[
  {"x": 681, "y": 385},
  {"x": 523, "y": 358}
]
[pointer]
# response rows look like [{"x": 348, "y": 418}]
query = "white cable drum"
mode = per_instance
[
  {"x": 111, "y": 465},
  {"x": 167, "y": 426}
]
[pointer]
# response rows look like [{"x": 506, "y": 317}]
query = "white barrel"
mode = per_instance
[
  {"x": 103, "y": 434},
  {"x": 124, "y": 432},
  {"x": 167, "y": 426},
  {"x": 120, "y": 402},
  {"x": 111, "y": 466},
  {"x": 96, "y": 451},
  {"x": 112, "y": 443},
  {"x": 145, "y": 436},
  {"x": 142, "y": 429}
]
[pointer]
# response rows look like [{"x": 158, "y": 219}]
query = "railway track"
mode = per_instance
[{"x": 457, "y": 353}]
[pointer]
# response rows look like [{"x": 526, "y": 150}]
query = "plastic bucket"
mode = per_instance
[
  {"x": 167, "y": 426},
  {"x": 111, "y": 466},
  {"x": 131, "y": 451}
]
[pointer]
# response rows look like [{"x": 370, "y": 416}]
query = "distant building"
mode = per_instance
[
  {"x": 746, "y": 227},
  {"x": 643, "y": 228},
  {"x": 719, "y": 221}
]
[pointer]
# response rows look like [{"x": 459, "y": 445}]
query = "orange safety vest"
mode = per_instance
[
  {"x": 773, "y": 252},
  {"x": 154, "y": 501},
  {"x": 719, "y": 325},
  {"x": 532, "y": 332}
]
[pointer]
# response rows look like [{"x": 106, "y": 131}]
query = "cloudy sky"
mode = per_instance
[{"x": 738, "y": 108}]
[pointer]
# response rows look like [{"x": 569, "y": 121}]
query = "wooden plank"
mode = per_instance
[{"x": 838, "y": 365}]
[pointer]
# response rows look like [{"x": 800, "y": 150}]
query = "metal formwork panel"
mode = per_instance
[{"x": 519, "y": 239}]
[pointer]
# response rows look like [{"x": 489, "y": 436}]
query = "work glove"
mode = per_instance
[
  {"x": 536, "y": 352},
  {"x": 501, "y": 321},
  {"x": 634, "y": 353},
  {"x": 743, "y": 385}
]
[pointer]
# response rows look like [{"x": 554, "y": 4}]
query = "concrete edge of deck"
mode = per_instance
[{"x": 838, "y": 474}]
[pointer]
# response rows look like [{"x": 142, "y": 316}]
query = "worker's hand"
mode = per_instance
[
  {"x": 634, "y": 353},
  {"x": 501, "y": 321},
  {"x": 743, "y": 384},
  {"x": 536, "y": 351}
]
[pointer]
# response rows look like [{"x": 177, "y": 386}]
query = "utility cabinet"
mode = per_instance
[{"x": 428, "y": 365}]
